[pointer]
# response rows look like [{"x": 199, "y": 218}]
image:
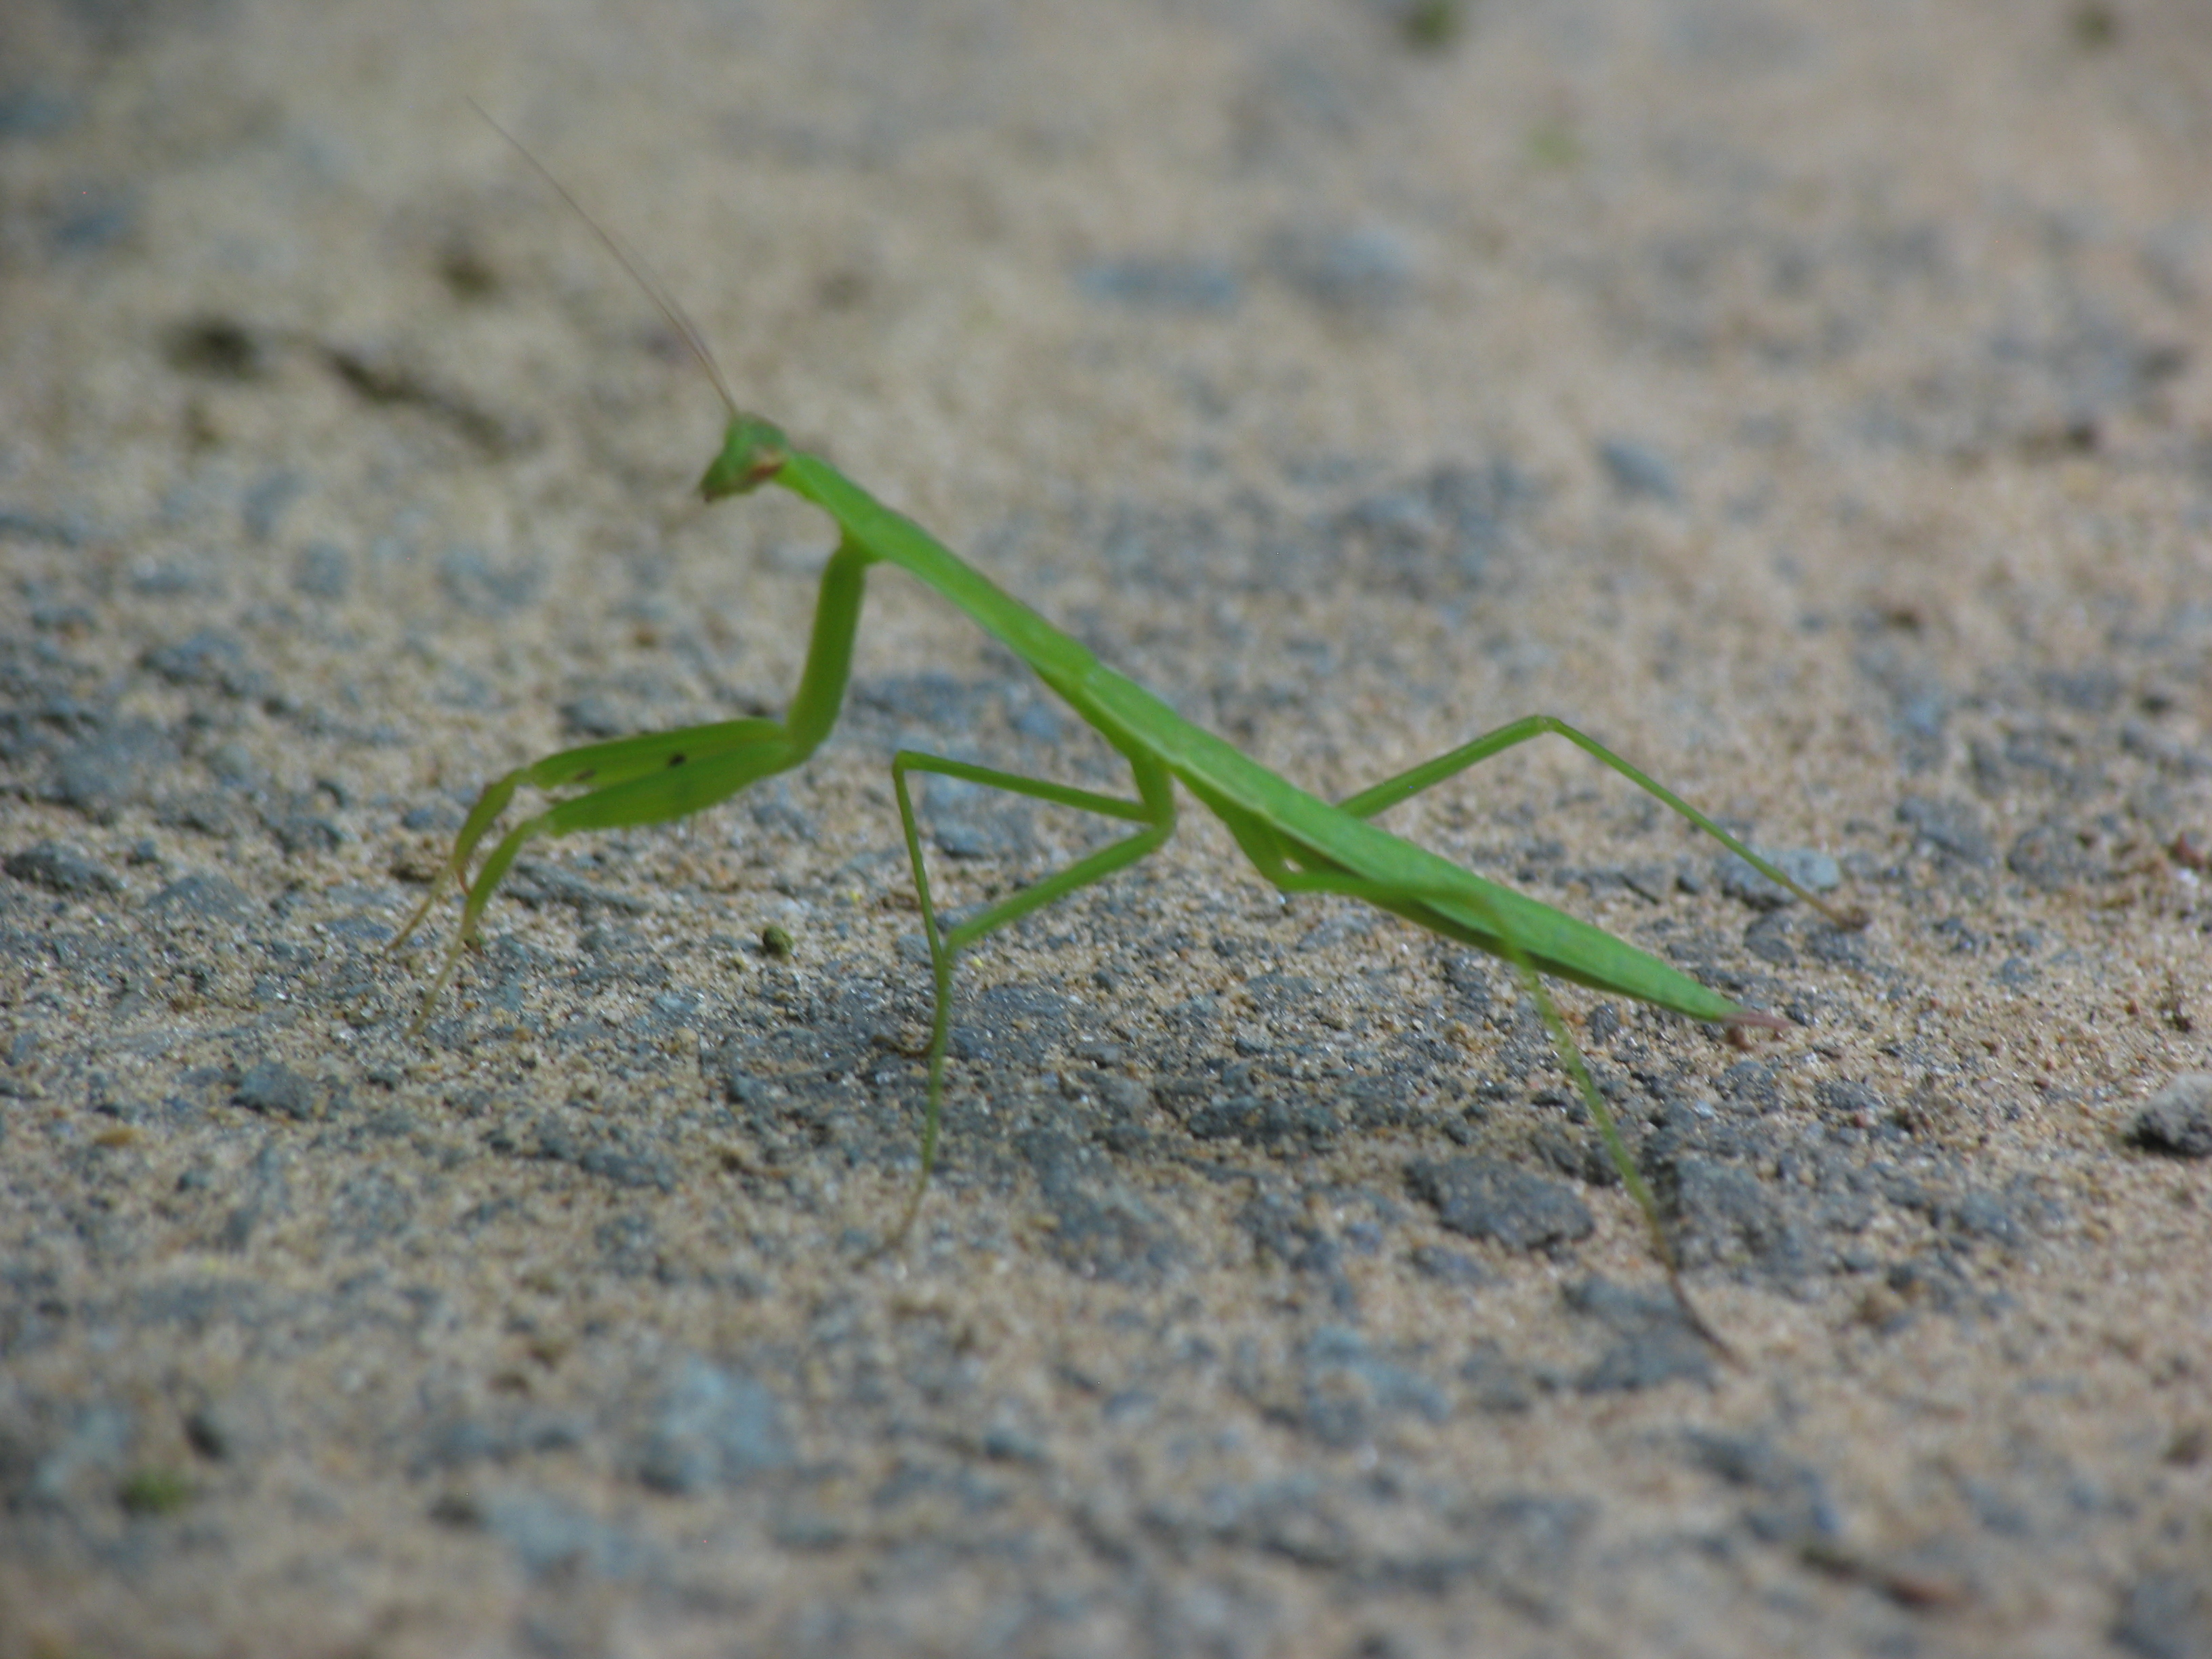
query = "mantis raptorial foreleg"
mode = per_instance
[
  {"x": 619, "y": 768},
  {"x": 659, "y": 777}
]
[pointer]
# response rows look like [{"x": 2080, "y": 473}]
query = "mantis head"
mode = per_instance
[{"x": 753, "y": 451}]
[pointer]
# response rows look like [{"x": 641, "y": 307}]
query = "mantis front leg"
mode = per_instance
[{"x": 660, "y": 776}]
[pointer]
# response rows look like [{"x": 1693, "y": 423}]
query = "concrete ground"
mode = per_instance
[{"x": 1812, "y": 400}]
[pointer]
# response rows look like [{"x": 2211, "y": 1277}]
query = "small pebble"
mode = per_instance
[{"x": 2178, "y": 1119}]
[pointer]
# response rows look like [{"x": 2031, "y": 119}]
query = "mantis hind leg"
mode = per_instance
[
  {"x": 1271, "y": 857},
  {"x": 1380, "y": 797},
  {"x": 1154, "y": 810}
]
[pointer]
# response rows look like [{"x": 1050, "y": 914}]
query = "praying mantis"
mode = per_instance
[{"x": 1295, "y": 839}]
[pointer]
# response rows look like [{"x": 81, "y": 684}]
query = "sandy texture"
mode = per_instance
[{"x": 1813, "y": 399}]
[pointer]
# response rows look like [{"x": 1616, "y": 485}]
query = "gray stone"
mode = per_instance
[
  {"x": 1951, "y": 827},
  {"x": 1656, "y": 1343},
  {"x": 113, "y": 769},
  {"x": 1813, "y": 871},
  {"x": 713, "y": 1428},
  {"x": 2178, "y": 1119},
  {"x": 1260, "y": 1121},
  {"x": 2052, "y": 858},
  {"x": 1485, "y": 1198},
  {"x": 270, "y": 1087},
  {"x": 1726, "y": 1216},
  {"x": 60, "y": 869},
  {"x": 1636, "y": 468},
  {"x": 323, "y": 571},
  {"x": 2165, "y": 1615},
  {"x": 211, "y": 896},
  {"x": 549, "y": 1536},
  {"x": 1360, "y": 272},
  {"x": 1449, "y": 1266},
  {"x": 1161, "y": 284}
]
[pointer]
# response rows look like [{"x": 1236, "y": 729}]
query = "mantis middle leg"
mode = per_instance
[{"x": 1154, "y": 809}]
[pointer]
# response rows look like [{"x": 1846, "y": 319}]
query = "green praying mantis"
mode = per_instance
[{"x": 1295, "y": 839}]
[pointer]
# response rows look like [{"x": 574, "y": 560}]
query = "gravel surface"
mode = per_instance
[{"x": 1814, "y": 400}]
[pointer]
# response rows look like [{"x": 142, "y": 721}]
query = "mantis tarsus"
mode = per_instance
[{"x": 1296, "y": 840}]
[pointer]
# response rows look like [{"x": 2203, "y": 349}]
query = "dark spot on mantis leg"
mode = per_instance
[
  {"x": 586, "y": 775},
  {"x": 678, "y": 759}
]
